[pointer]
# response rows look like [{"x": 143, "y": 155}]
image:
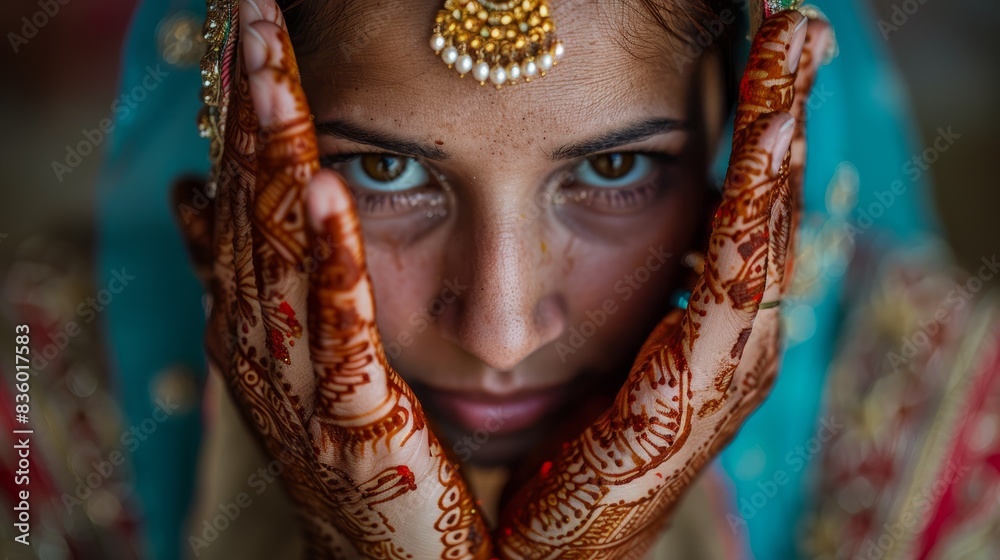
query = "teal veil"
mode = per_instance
[{"x": 859, "y": 139}]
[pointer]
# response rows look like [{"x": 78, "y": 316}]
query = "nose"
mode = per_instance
[{"x": 510, "y": 308}]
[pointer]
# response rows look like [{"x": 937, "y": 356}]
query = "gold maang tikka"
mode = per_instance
[{"x": 497, "y": 42}]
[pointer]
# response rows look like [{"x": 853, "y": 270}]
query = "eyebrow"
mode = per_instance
[
  {"x": 348, "y": 131},
  {"x": 631, "y": 133}
]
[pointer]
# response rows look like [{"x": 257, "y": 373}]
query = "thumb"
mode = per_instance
[{"x": 195, "y": 215}]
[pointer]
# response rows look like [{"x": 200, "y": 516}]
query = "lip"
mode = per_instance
[{"x": 495, "y": 413}]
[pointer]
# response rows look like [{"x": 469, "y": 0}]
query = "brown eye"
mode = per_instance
[
  {"x": 383, "y": 172},
  {"x": 386, "y": 185},
  {"x": 616, "y": 170},
  {"x": 615, "y": 182},
  {"x": 612, "y": 166},
  {"x": 382, "y": 167}
]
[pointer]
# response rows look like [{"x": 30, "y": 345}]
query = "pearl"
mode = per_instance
[
  {"x": 449, "y": 55},
  {"x": 529, "y": 69},
  {"x": 498, "y": 75},
  {"x": 463, "y": 64},
  {"x": 545, "y": 62},
  {"x": 558, "y": 50},
  {"x": 437, "y": 42},
  {"x": 513, "y": 72},
  {"x": 481, "y": 71}
]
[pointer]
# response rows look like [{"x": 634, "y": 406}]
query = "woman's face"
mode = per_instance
[{"x": 522, "y": 242}]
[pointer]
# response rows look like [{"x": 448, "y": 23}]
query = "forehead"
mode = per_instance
[{"x": 368, "y": 61}]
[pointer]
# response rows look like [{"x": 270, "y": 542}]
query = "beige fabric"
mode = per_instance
[{"x": 267, "y": 528}]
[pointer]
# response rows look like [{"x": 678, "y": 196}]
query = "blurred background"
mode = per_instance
[{"x": 64, "y": 80}]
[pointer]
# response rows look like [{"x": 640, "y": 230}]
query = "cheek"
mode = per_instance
[
  {"x": 628, "y": 286},
  {"x": 402, "y": 281}
]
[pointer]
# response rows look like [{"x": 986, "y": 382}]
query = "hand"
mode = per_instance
[
  {"x": 292, "y": 329},
  {"x": 703, "y": 370}
]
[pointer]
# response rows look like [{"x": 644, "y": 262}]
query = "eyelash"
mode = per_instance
[
  {"x": 377, "y": 204},
  {"x": 619, "y": 199},
  {"x": 622, "y": 199}
]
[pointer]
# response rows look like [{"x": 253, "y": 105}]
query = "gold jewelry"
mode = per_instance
[
  {"x": 497, "y": 42},
  {"x": 220, "y": 36}
]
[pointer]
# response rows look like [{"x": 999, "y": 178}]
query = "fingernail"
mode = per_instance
[
  {"x": 255, "y": 7},
  {"x": 798, "y": 41},
  {"x": 782, "y": 141},
  {"x": 255, "y": 60},
  {"x": 827, "y": 38}
]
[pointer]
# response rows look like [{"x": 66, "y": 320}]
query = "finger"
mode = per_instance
[
  {"x": 265, "y": 10},
  {"x": 725, "y": 299},
  {"x": 286, "y": 159},
  {"x": 356, "y": 387},
  {"x": 724, "y": 302},
  {"x": 818, "y": 44},
  {"x": 365, "y": 414},
  {"x": 815, "y": 49},
  {"x": 272, "y": 69},
  {"x": 252, "y": 371},
  {"x": 236, "y": 181},
  {"x": 767, "y": 84}
]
